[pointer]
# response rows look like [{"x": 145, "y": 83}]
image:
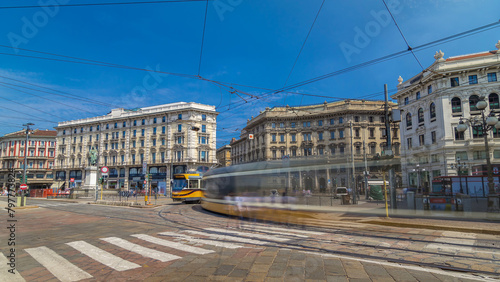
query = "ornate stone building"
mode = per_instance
[
  {"x": 170, "y": 138},
  {"x": 40, "y": 157},
  {"x": 338, "y": 133},
  {"x": 433, "y": 102},
  {"x": 224, "y": 156}
]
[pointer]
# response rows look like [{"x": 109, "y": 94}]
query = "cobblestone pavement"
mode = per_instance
[{"x": 174, "y": 242}]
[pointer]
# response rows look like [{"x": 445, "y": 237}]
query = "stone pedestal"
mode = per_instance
[{"x": 90, "y": 178}]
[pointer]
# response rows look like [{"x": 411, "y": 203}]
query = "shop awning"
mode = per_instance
[{"x": 57, "y": 185}]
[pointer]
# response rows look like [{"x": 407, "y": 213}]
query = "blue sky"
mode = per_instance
[{"x": 247, "y": 42}]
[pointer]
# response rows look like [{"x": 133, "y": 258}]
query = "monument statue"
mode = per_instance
[{"x": 93, "y": 156}]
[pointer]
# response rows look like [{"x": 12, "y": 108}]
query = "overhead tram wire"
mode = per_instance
[
  {"x": 402, "y": 35},
  {"x": 38, "y": 117},
  {"x": 68, "y": 95},
  {"x": 21, "y": 104},
  {"x": 203, "y": 38},
  {"x": 283, "y": 89},
  {"x": 106, "y": 4},
  {"x": 302, "y": 48},
  {"x": 44, "y": 98}
]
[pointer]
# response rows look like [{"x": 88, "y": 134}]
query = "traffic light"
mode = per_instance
[{"x": 11, "y": 178}]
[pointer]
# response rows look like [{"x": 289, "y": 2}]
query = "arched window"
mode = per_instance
[
  {"x": 456, "y": 105},
  {"x": 408, "y": 120},
  {"x": 153, "y": 170},
  {"x": 432, "y": 111},
  {"x": 493, "y": 101},
  {"x": 420, "y": 115},
  {"x": 473, "y": 102},
  {"x": 133, "y": 171}
]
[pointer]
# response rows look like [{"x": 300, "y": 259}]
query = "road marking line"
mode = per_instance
[
  {"x": 252, "y": 235},
  {"x": 202, "y": 241},
  {"x": 174, "y": 245},
  {"x": 407, "y": 267},
  {"x": 4, "y": 268},
  {"x": 143, "y": 251},
  {"x": 102, "y": 256},
  {"x": 57, "y": 265},
  {"x": 285, "y": 229},
  {"x": 445, "y": 247},
  {"x": 226, "y": 237},
  {"x": 459, "y": 234},
  {"x": 274, "y": 232},
  {"x": 467, "y": 242}
]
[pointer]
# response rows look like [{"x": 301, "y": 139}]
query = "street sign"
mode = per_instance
[
  {"x": 23, "y": 186},
  {"x": 144, "y": 168},
  {"x": 250, "y": 136},
  {"x": 104, "y": 169},
  {"x": 71, "y": 180},
  {"x": 145, "y": 182}
]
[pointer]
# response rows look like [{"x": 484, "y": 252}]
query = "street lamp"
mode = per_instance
[
  {"x": 418, "y": 170},
  {"x": 486, "y": 124},
  {"x": 25, "y": 180},
  {"x": 459, "y": 166}
]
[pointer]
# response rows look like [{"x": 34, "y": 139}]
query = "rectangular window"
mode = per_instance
[
  {"x": 332, "y": 134},
  {"x": 320, "y": 123},
  {"x": 273, "y": 125},
  {"x": 143, "y": 122},
  {"x": 134, "y": 133},
  {"x": 163, "y": 130},
  {"x": 417, "y": 96},
  {"x": 154, "y": 120},
  {"x": 163, "y": 119},
  {"x": 163, "y": 141},
  {"x": 282, "y": 137},
  {"x": 203, "y": 117},
  {"x": 492, "y": 77},
  {"x": 116, "y": 125},
  {"x": 142, "y": 143},
  {"x": 454, "y": 82},
  {"x": 341, "y": 120},
  {"x": 332, "y": 121},
  {"x": 292, "y": 125},
  {"x": 123, "y": 145},
  {"x": 372, "y": 132},
  {"x": 320, "y": 135},
  {"x": 433, "y": 137},
  {"x": 154, "y": 130},
  {"x": 124, "y": 124},
  {"x": 133, "y": 144},
  {"x": 123, "y": 134},
  {"x": 294, "y": 137},
  {"x": 135, "y": 122},
  {"x": 477, "y": 131},
  {"x": 179, "y": 128},
  {"x": 421, "y": 140},
  {"x": 203, "y": 128},
  {"x": 179, "y": 116},
  {"x": 282, "y": 124},
  {"x": 472, "y": 79},
  {"x": 356, "y": 118},
  {"x": 409, "y": 144},
  {"x": 142, "y": 132},
  {"x": 429, "y": 89},
  {"x": 179, "y": 140},
  {"x": 273, "y": 137},
  {"x": 407, "y": 100},
  {"x": 341, "y": 133}
]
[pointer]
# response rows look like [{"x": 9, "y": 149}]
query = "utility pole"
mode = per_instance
[
  {"x": 389, "y": 148},
  {"x": 25, "y": 180},
  {"x": 366, "y": 171},
  {"x": 354, "y": 199}
]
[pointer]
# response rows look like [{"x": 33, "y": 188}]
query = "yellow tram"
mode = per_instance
[{"x": 187, "y": 187}]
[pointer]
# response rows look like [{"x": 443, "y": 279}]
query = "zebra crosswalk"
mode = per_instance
[
  {"x": 64, "y": 269},
  {"x": 56, "y": 204}
]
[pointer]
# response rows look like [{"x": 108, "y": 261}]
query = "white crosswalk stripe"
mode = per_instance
[
  {"x": 252, "y": 235},
  {"x": 57, "y": 265},
  {"x": 260, "y": 229},
  {"x": 174, "y": 245},
  {"x": 226, "y": 237},
  {"x": 5, "y": 269},
  {"x": 143, "y": 251},
  {"x": 201, "y": 241},
  {"x": 263, "y": 227},
  {"x": 102, "y": 256}
]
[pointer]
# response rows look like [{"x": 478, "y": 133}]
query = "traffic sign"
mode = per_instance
[
  {"x": 250, "y": 136},
  {"x": 23, "y": 186},
  {"x": 145, "y": 182},
  {"x": 144, "y": 167},
  {"x": 104, "y": 169},
  {"x": 71, "y": 180}
]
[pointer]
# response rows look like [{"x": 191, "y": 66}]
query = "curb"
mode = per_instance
[
  {"x": 433, "y": 227},
  {"x": 24, "y": 207}
]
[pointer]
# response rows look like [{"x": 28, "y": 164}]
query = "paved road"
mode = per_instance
[{"x": 77, "y": 241}]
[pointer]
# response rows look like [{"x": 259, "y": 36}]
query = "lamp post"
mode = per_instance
[
  {"x": 25, "y": 180},
  {"x": 459, "y": 166},
  {"x": 418, "y": 170},
  {"x": 486, "y": 124}
]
